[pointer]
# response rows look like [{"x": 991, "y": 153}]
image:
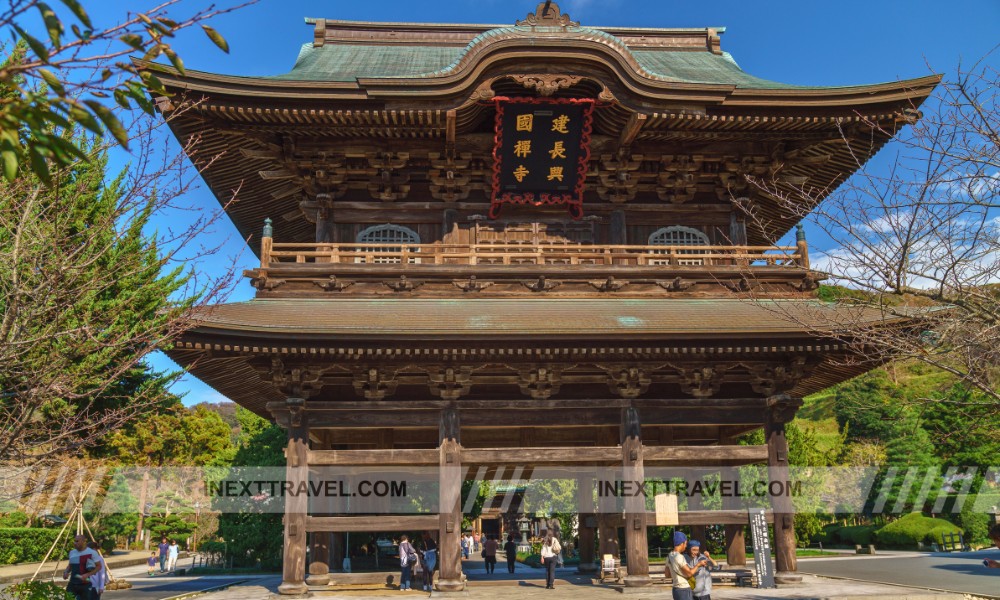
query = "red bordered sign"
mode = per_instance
[{"x": 541, "y": 151}]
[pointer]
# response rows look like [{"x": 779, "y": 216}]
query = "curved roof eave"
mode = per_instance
[{"x": 297, "y": 91}]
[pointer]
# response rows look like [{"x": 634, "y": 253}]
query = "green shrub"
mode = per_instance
[
  {"x": 36, "y": 590},
  {"x": 26, "y": 544},
  {"x": 532, "y": 560},
  {"x": 856, "y": 534},
  {"x": 907, "y": 531},
  {"x": 14, "y": 519}
]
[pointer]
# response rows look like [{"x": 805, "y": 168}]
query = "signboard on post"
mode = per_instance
[
  {"x": 762, "y": 562},
  {"x": 541, "y": 152},
  {"x": 666, "y": 510}
]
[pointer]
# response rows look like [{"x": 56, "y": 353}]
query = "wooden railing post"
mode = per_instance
[
  {"x": 265, "y": 244},
  {"x": 803, "y": 246}
]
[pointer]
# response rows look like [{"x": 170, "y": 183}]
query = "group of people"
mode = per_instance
[
  {"x": 167, "y": 557},
  {"x": 423, "y": 558},
  {"x": 86, "y": 571},
  {"x": 691, "y": 569}
]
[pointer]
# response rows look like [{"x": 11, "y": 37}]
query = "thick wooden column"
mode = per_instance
[
  {"x": 450, "y": 524},
  {"x": 588, "y": 522},
  {"x": 319, "y": 558},
  {"x": 636, "y": 546},
  {"x": 293, "y": 573},
  {"x": 695, "y": 502},
  {"x": 337, "y": 551},
  {"x": 781, "y": 411}
]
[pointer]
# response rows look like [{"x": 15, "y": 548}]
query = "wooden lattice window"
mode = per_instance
[
  {"x": 387, "y": 234},
  {"x": 677, "y": 235}
]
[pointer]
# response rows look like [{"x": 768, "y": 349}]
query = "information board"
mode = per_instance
[{"x": 762, "y": 562}]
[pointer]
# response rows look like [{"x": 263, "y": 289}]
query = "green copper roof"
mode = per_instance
[
  {"x": 702, "y": 67},
  {"x": 348, "y": 62},
  {"x": 333, "y": 62}
]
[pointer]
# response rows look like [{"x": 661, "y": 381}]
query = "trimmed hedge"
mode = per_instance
[
  {"x": 857, "y": 534},
  {"x": 913, "y": 528},
  {"x": 29, "y": 544}
]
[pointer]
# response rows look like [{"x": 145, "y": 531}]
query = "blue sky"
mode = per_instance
[{"x": 801, "y": 42}]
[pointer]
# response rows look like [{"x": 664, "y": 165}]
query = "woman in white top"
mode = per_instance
[
  {"x": 99, "y": 579},
  {"x": 550, "y": 554},
  {"x": 172, "y": 555}
]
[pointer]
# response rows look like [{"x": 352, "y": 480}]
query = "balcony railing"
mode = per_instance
[{"x": 534, "y": 254}]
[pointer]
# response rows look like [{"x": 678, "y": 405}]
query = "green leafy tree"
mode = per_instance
[
  {"x": 255, "y": 537},
  {"x": 70, "y": 74}
]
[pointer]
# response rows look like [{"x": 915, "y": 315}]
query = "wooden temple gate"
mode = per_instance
[{"x": 418, "y": 303}]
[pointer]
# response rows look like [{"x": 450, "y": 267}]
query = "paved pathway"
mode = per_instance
[{"x": 957, "y": 571}]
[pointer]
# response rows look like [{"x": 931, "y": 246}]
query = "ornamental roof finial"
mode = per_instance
[{"x": 547, "y": 14}]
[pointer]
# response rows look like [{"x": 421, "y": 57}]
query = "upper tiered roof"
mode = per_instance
[{"x": 362, "y": 90}]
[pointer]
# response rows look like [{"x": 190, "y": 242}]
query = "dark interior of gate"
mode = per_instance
[{"x": 423, "y": 304}]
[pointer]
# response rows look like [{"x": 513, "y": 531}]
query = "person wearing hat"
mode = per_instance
[
  {"x": 703, "y": 564},
  {"x": 679, "y": 569}
]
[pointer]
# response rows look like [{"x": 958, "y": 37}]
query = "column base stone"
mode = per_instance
[
  {"x": 590, "y": 567},
  {"x": 450, "y": 585},
  {"x": 293, "y": 588},
  {"x": 787, "y": 578},
  {"x": 637, "y": 581}
]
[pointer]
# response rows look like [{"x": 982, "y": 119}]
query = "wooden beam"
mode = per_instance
[
  {"x": 706, "y": 454},
  {"x": 372, "y": 523},
  {"x": 699, "y": 517},
  {"x": 401, "y": 418},
  {"x": 374, "y": 457},
  {"x": 593, "y": 455},
  {"x": 631, "y": 130}
]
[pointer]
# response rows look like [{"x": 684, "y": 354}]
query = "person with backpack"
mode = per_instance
[
  {"x": 550, "y": 556},
  {"x": 407, "y": 558}
]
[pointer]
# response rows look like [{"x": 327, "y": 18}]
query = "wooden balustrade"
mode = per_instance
[{"x": 534, "y": 254}]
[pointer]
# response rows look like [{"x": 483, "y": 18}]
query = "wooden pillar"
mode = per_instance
[
  {"x": 450, "y": 480},
  {"x": 293, "y": 573},
  {"x": 695, "y": 502},
  {"x": 337, "y": 551},
  {"x": 617, "y": 231},
  {"x": 319, "y": 558},
  {"x": 636, "y": 546},
  {"x": 588, "y": 521},
  {"x": 781, "y": 411}
]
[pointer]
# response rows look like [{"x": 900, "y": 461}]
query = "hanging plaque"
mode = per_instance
[{"x": 541, "y": 152}]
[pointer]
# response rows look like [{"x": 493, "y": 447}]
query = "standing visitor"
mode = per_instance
[
  {"x": 100, "y": 579},
  {"x": 476, "y": 539},
  {"x": 490, "y": 547},
  {"x": 430, "y": 560},
  {"x": 83, "y": 565},
  {"x": 510, "y": 549},
  {"x": 172, "y": 550},
  {"x": 995, "y": 538},
  {"x": 407, "y": 556},
  {"x": 703, "y": 576},
  {"x": 679, "y": 568},
  {"x": 164, "y": 548},
  {"x": 151, "y": 563},
  {"x": 550, "y": 553}
]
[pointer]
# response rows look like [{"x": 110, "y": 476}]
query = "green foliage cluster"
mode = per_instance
[
  {"x": 41, "y": 99},
  {"x": 29, "y": 544},
  {"x": 255, "y": 538},
  {"x": 16, "y": 518},
  {"x": 36, "y": 590},
  {"x": 912, "y": 528}
]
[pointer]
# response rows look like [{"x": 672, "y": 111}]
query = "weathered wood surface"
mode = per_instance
[{"x": 372, "y": 523}]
